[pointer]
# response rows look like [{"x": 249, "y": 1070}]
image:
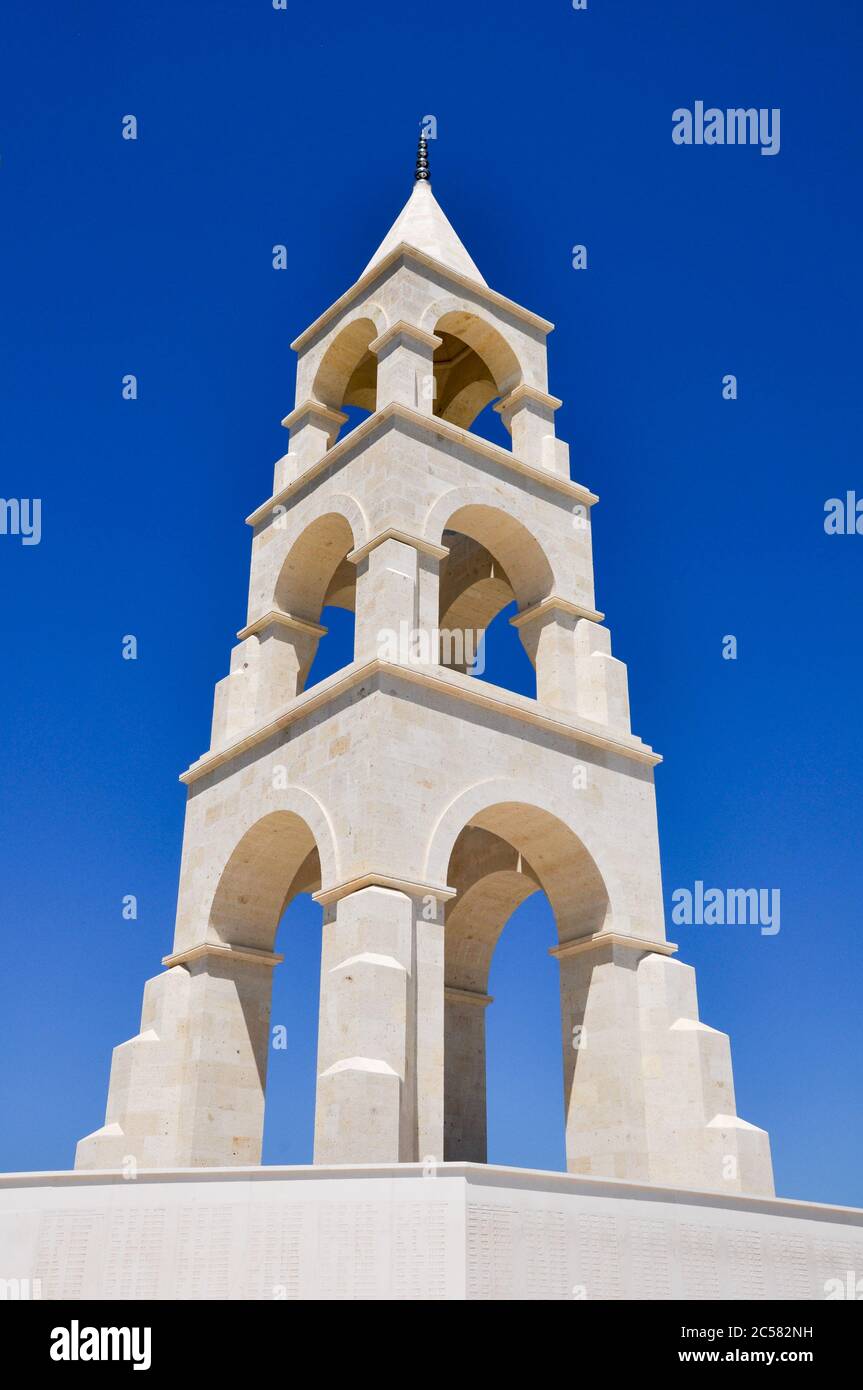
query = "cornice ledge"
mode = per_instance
[
  {"x": 554, "y": 604},
  {"x": 414, "y": 888},
  {"x": 402, "y": 329},
  {"x": 394, "y": 533},
  {"x": 308, "y": 408},
  {"x": 611, "y": 938},
  {"x": 467, "y": 996},
  {"x": 432, "y": 424},
  {"x": 445, "y": 682},
  {"x": 524, "y": 393},
  {"x": 274, "y": 618},
  {"x": 406, "y": 252},
  {"x": 250, "y": 955}
]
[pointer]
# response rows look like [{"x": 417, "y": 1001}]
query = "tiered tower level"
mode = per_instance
[{"x": 419, "y": 805}]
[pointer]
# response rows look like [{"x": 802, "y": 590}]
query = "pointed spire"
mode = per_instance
[
  {"x": 423, "y": 225},
  {"x": 421, "y": 173}
]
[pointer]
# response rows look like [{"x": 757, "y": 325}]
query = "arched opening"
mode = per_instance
[
  {"x": 317, "y": 583},
  {"x": 515, "y": 864},
  {"x": 347, "y": 377},
  {"x": 474, "y": 366},
  {"x": 494, "y": 568},
  {"x": 263, "y": 901}
]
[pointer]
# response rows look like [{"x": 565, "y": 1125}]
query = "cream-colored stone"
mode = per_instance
[{"x": 421, "y": 807}]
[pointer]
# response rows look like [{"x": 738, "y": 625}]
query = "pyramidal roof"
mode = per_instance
[{"x": 423, "y": 224}]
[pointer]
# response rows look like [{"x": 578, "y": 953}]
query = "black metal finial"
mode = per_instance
[{"x": 421, "y": 173}]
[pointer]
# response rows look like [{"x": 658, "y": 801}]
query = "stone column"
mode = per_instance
[
  {"x": 188, "y": 1091},
  {"x": 405, "y": 356},
  {"x": 648, "y": 1088},
  {"x": 606, "y": 1133},
  {"x": 550, "y": 635},
  {"x": 528, "y": 415},
  {"x": 465, "y": 1076},
  {"x": 229, "y": 1020},
  {"x": 286, "y": 649},
  {"x": 697, "y": 1139},
  {"x": 602, "y": 683},
  {"x": 235, "y": 695},
  {"x": 429, "y": 918},
  {"x": 396, "y": 603},
  {"x": 365, "y": 1110},
  {"x": 313, "y": 430}
]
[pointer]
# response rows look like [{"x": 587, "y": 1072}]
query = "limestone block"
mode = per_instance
[
  {"x": 229, "y": 1014},
  {"x": 236, "y": 695},
  {"x": 285, "y": 470},
  {"x": 464, "y": 1082},
  {"x": 555, "y": 456},
  {"x": 387, "y": 599},
  {"x": 550, "y": 644},
  {"x": 606, "y": 1129},
  {"x": 601, "y": 680},
  {"x": 528, "y": 414},
  {"x": 366, "y": 1101},
  {"x": 430, "y": 1025},
  {"x": 405, "y": 358},
  {"x": 142, "y": 1119},
  {"x": 313, "y": 428},
  {"x": 188, "y": 1090},
  {"x": 696, "y": 1137},
  {"x": 286, "y": 651}
]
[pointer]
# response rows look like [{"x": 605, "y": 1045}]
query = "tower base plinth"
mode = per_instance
[{"x": 411, "y": 1231}]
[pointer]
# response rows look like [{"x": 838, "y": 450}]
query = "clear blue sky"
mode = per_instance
[{"x": 258, "y": 127}]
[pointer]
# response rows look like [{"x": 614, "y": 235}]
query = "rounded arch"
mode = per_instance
[
  {"x": 497, "y": 844},
  {"x": 492, "y": 879},
  {"x": 473, "y": 365},
  {"x": 347, "y": 372},
  {"x": 493, "y": 558},
  {"x": 460, "y": 319},
  {"x": 283, "y": 851},
  {"x": 315, "y": 570},
  {"x": 560, "y": 857}
]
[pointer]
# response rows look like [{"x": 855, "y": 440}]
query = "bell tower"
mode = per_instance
[{"x": 418, "y": 805}]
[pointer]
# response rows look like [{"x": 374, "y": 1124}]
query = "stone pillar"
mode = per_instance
[
  {"x": 606, "y": 1132},
  {"x": 706, "y": 1144},
  {"x": 397, "y": 599},
  {"x": 387, "y": 586},
  {"x": 648, "y": 1087},
  {"x": 464, "y": 1080},
  {"x": 430, "y": 1016},
  {"x": 602, "y": 684},
  {"x": 550, "y": 635},
  {"x": 366, "y": 1105},
  {"x": 188, "y": 1091},
  {"x": 286, "y": 649},
  {"x": 405, "y": 356},
  {"x": 428, "y": 595},
  {"x": 528, "y": 415},
  {"x": 575, "y": 670},
  {"x": 235, "y": 696},
  {"x": 313, "y": 430}
]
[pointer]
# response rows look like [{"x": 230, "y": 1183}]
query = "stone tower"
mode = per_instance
[{"x": 418, "y": 805}]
